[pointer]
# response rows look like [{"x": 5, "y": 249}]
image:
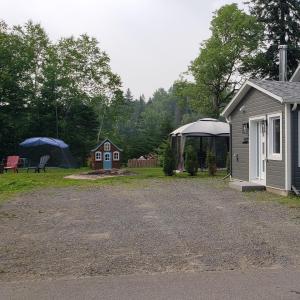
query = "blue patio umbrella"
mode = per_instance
[{"x": 39, "y": 141}]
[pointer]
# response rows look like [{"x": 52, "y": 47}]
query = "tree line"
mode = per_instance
[{"x": 66, "y": 89}]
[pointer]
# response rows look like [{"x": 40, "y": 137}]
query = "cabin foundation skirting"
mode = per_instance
[
  {"x": 277, "y": 191},
  {"x": 269, "y": 189}
]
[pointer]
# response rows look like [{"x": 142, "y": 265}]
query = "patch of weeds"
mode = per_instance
[
  {"x": 7, "y": 215},
  {"x": 218, "y": 182}
]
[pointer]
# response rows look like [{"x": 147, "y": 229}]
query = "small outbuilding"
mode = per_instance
[{"x": 106, "y": 156}]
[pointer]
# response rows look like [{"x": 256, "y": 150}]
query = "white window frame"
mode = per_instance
[
  {"x": 271, "y": 154},
  {"x": 100, "y": 156},
  {"x": 118, "y": 154},
  {"x": 107, "y": 146}
]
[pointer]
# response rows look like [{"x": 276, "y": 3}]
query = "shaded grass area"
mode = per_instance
[
  {"x": 12, "y": 184},
  {"x": 291, "y": 201}
]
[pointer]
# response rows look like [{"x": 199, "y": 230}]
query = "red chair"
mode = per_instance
[{"x": 12, "y": 163}]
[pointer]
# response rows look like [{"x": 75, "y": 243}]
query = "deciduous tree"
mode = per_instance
[{"x": 218, "y": 68}]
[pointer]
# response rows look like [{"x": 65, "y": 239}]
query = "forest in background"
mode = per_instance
[{"x": 67, "y": 90}]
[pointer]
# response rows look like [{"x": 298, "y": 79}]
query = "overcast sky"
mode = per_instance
[{"x": 150, "y": 42}]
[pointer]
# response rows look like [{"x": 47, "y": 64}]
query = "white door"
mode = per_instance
[{"x": 261, "y": 151}]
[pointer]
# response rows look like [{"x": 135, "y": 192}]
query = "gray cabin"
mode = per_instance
[{"x": 264, "y": 118}]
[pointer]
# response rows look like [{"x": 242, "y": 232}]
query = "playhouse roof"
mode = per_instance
[
  {"x": 203, "y": 127},
  {"x": 104, "y": 141}
]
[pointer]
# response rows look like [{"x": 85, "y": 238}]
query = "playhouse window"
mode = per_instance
[
  {"x": 275, "y": 136},
  {"x": 98, "y": 156},
  {"x": 116, "y": 155},
  {"x": 107, "y": 146}
]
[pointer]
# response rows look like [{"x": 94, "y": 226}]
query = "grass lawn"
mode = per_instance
[
  {"x": 291, "y": 201},
  {"x": 14, "y": 183}
]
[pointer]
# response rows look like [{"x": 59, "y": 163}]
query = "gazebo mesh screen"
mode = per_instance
[
  {"x": 59, "y": 157},
  {"x": 218, "y": 145}
]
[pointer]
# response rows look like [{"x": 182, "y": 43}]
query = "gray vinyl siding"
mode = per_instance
[
  {"x": 295, "y": 149},
  {"x": 256, "y": 104}
]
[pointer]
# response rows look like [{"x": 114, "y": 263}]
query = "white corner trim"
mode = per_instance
[
  {"x": 298, "y": 138},
  {"x": 288, "y": 148},
  {"x": 271, "y": 155}
]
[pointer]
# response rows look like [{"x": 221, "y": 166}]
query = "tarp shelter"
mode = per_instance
[
  {"x": 211, "y": 133},
  {"x": 60, "y": 155}
]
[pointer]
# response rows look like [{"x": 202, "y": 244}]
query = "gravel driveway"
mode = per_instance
[{"x": 159, "y": 226}]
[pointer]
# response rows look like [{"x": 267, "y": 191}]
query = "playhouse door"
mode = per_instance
[{"x": 107, "y": 164}]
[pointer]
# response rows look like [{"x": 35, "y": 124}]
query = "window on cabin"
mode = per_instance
[
  {"x": 107, "y": 146},
  {"x": 275, "y": 136},
  {"x": 116, "y": 155},
  {"x": 98, "y": 156}
]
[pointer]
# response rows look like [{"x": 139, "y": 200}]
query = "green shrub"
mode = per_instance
[
  {"x": 160, "y": 150},
  {"x": 211, "y": 163},
  {"x": 191, "y": 161},
  {"x": 169, "y": 164}
]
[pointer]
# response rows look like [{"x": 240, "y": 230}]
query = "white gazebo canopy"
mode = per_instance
[
  {"x": 206, "y": 127},
  {"x": 203, "y": 127}
]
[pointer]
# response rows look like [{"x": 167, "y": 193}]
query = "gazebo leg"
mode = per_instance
[
  {"x": 215, "y": 151},
  {"x": 202, "y": 159}
]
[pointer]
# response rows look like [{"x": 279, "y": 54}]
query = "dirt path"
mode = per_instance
[{"x": 163, "y": 226}]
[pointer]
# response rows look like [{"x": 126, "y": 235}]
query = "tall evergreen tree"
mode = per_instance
[
  {"x": 191, "y": 162},
  {"x": 128, "y": 96},
  {"x": 281, "y": 20},
  {"x": 169, "y": 163}
]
